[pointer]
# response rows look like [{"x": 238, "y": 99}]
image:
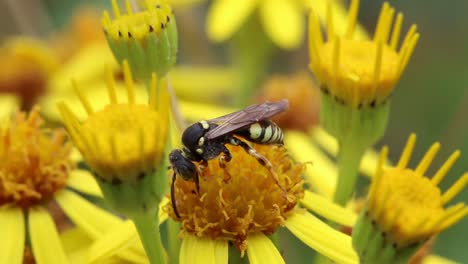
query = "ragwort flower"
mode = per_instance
[
  {"x": 357, "y": 78},
  {"x": 404, "y": 208},
  {"x": 147, "y": 39},
  {"x": 242, "y": 204},
  {"x": 125, "y": 145},
  {"x": 36, "y": 170}
]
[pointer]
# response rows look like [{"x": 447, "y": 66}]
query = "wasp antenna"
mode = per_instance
[
  {"x": 197, "y": 183},
  {"x": 173, "y": 200}
]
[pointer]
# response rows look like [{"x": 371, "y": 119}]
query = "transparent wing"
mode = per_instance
[{"x": 254, "y": 113}]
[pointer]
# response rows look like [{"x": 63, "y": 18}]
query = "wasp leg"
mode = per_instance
[
  {"x": 223, "y": 159},
  {"x": 173, "y": 200},
  {"x": 260, "y": 158}
]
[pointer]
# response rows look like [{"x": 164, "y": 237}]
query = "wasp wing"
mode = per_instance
[{"x": 254, "y": 113}]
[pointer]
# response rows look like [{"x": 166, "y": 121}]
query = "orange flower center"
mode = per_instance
[
  {"x": 34, "y": 163},
  {"x": 240, "y": 199}
]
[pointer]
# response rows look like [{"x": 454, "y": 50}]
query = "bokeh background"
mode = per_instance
[{"x": 431, "y": 98}]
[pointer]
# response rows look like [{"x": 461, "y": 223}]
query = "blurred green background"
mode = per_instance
[{"x": 431, "y": 98}]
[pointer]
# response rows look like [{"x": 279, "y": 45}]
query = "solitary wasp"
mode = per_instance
[{"x": 206, "y": 140}]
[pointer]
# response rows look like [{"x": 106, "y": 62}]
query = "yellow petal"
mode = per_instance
[
  {"x": 94, "y": 221},
  {"x": 76, "y": 244},
  {"x": 45, "y": 241},
  {"x": 340, "y": 16},
  {"x": 332, "y": 211},
  {"x": 261, "y": 250},
  {"x": 74, "y": 239},
  {"x": 283, "y": 22},
  {"x": 202, "y": 83},
  {"x": 13, "y": 235},
  {"x": 185, "y": 3},
  {"x": 226, "y": 16},
  {"x": 326, "y": 141},
  {"x": 119, "y": 238},
  {"x": 434, "y": 259},
  {"x": 86, "y": 66},
  {"x": 83, "y": 181},
  {"x": 321, "y": 174},
  {"x": 75, "y": 155},
  {"x": 10, "y": 104},
  {"x": 201, "y": 250},
  {"x": 322, "y": 238},
  {"x": 97, "y": 95}
]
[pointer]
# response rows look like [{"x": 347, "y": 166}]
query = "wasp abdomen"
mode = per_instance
[{"x": 263, "y": 132}]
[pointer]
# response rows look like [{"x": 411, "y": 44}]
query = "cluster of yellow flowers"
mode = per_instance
[{"x": 97, "y": 173}]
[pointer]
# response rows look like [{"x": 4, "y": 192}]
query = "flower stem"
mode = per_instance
[
  {"x": 148, "y": 230},
  {"x": 173, "y": 241},
  {"x": 349, "y": 159}
]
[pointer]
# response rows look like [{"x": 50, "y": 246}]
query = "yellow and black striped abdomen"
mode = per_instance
[{"x": 262, "y": 132}]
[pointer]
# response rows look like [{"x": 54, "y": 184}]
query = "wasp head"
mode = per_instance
[
  {"x": 182, "y": 166},
  {"x": 193, "y": 138}
]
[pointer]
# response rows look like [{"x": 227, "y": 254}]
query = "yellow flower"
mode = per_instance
[
  {"x": 242, "y": 204},
  {"x": 147, "y": 39},
  {"x": 36, "y": 169},
  {"x": 126, "y": 144},
  {"x": 282, "y": 20},
  {"x": 404, "y": 208},
  {"x": 360, "y": 73},
  {"x": 303, "y": 96}
]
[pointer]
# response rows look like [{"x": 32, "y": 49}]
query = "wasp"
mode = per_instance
[{"x": 207, "y": 139}]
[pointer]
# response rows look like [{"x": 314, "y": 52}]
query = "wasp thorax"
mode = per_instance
[{"x": 240, "y": 199}]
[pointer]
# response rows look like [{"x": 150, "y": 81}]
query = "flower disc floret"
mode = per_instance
[
  {"x": 34, "y": 162},
  {"x": 410, "y": 207},
  {"x": 241, "y": 199}
]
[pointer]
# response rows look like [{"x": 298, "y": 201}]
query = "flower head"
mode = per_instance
[
  {"x": 36, "y": 171},
  {"x": 360, "y": 73},
  {"x": 123, "y": 141},
  {"x": 410, "y": 206},
  {"x": 243, "y": 199},
  {"x": 405, "y": 208},
  {"x": 301, "y": 91},
  {"x": 147, "y": 39},
  {"x": 25, "y": 69},
  {"x": 33, "y": 165},
  {"x": 241, "y": 203}
]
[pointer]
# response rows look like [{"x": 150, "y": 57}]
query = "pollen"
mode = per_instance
[
  {"x": 242, "y": 198},
  {"x": 124, "y": 141},
  {"x": 137, "y": 25},
  {"x": 34, "y": 161},
  {"x": 360, "y": 72},
  {"x": 303, "y": 97},
  {"x": 409, "y": 207}
]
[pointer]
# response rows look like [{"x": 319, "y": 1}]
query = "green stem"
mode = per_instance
[
  {"x": 173, "y": 242},
  {"x": 147, "y": 226},
  {"x": 349, "y": 159}
]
